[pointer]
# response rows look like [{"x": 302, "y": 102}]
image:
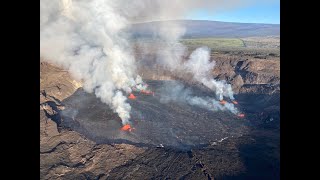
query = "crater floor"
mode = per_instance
[{"x": 175, "y": 124}]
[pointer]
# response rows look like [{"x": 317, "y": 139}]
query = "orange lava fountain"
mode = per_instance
[
  {"x": 132, "y": 96},
  {"x": 126, "y": 127}
]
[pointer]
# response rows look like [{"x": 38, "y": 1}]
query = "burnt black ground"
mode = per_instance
[
  {"x": 190, "y": 135},
  {"x": 175, "y": 124}
]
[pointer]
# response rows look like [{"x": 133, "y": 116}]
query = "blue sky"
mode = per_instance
[{"x": 259, "y": 12}]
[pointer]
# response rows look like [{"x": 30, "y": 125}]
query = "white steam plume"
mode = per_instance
[
  {"x": 175, "y": 91},
  {"x": 170, "y": 52},
  {"x": 200, "y": 66},
  {"x": 86, "y": 38}
]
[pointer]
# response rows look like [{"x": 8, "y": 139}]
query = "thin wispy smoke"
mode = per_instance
[
  {"x": 171, "y": 53},
  {"x": 174, "y": 91}
]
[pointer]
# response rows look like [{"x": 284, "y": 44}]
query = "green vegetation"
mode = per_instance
[
  {"x": 245, "y": 45},
  {"x": 214, "y": 43},
  {"x": 254, "y": 45}
]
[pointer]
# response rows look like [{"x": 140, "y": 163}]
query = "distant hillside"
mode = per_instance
[{"x": 200, "y": 29}]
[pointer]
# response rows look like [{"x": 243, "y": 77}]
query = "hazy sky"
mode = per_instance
[{"x": 258, "y": 12}]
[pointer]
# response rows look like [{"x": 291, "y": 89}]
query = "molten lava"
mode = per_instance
[
  {"x": 234, "y": 102},
  {"x": 223, "y": 102},
  {"x": 147, "y": 92},
  {"x": 241, "y": 115},
  {"x": 126, "y": 127},
  {"x": 132, "y": 96}
]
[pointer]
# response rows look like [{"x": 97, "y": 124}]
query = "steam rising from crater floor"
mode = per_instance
[
  {"x": 159, "y": 119},
  {"x": 91, "y": 40}
]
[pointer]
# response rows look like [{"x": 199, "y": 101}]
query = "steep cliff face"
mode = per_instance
[
  {"x": 66, "y": 154},
  {"x": 56, "y": 82},
  {"x": 249, "y": 74}
]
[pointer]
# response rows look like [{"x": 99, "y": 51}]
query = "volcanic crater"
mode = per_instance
[{"x": 156, "y": 123}]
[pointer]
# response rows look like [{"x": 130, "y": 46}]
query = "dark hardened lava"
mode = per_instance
[
  {"x": 252, "y": 150},
  {"x": 171, "y": 124}
]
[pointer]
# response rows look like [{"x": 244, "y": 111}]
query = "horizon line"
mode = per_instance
[{"x": 205, "y": 20}]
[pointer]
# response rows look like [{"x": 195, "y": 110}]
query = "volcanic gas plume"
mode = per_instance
[
  {"x": 91, "y": 40},
  {"x": 175, "y": 91}
]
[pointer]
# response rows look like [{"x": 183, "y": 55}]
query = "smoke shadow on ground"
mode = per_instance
[
  {"x": 248, "y": 157},
  {"x": 255, "y": 155},
  {"x": 259, "y": 151},
  {"x": 261, "y": 159}
]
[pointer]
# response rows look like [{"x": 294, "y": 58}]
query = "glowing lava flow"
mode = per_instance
[
  {"x": 127, "y": 127},
  {"x": 131, "y": 96},
  {"x": 223, "y": 102},
  {"x": 147, "y": 92}
]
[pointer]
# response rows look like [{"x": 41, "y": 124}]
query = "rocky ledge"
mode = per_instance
[{"x": 66, "y": 154}]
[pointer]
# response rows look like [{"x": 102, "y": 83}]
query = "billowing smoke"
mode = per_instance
[
  {"x": 200, "y": 66},
  {"x": 170, "y": 52},
  {"x": 87, "y": 38},
  {"x": 174, "y": 91},
  {"x": 90, "y": 39}
]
